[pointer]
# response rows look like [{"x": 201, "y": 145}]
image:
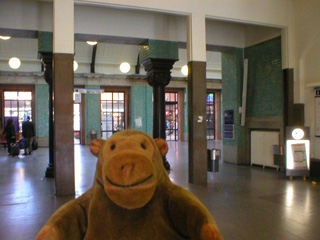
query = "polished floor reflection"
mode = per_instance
[{"x": 246, "y": 202}]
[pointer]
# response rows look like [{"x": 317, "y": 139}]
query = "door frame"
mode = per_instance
[
  {"x": 18, "y": 88},
  {"x": 126, "y": 91}
]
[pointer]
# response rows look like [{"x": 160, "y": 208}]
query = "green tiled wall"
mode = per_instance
[
  {"x": 93, "y": 110},
  {"x": 158, "y": 49},
  {"x": 265, "y": 80},
  {"x": 45, "y": 41},
  {"x": 141, "y": 108},
  {"x": 42, "y": 110},
  {"x": 232, "y": 71}
]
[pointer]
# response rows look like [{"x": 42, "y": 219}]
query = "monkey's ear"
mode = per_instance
[
  {"x": 162, "y": 145},
  {"x": 96, "y": 145}
]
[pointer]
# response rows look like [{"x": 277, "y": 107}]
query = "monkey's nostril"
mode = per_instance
[{"x": 127, "y": 167}]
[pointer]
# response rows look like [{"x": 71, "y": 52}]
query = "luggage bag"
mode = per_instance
[{"x": 15, "y": 149}]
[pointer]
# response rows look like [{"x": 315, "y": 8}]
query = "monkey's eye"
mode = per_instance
[
  {"x": 113, "y": 146},
  {"x": 143, "y": 146}
]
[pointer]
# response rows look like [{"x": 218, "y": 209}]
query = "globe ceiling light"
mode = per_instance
[
  {"x": 14, "y": 62},
  {"x": 124, "y": 67},
  {"x": 92, "y": 42},
  {"x": 184, "y": 70},
  {"x": 297, "y": 133},
  {"x": 5, "y": 37},
  {"x": 75, "y": 65}
]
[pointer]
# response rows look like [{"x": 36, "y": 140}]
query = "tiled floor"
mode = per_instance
[{"x": 248, "y": 203}]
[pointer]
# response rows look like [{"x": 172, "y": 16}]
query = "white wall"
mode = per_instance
[
  {"x": 224, "y": 33},
  {"x": 307, "y": 70},
  {"x": 26, "y": 14},
  {"x": 24, "y": 49},
  {"x": 255, "y": 34}
]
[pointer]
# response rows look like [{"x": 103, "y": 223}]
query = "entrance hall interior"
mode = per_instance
[{"x": 238, "y": 79}]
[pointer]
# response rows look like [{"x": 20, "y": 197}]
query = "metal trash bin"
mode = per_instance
[
  {"x": 93, "y": 134},
  {"x": 213, "y": 160}
]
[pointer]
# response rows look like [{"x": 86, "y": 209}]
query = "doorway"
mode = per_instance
[
  {"x": 172, "y": 116},
  {"x": 213, "y": 115},
  {"x": 18, "y": 105},
  {"x": 113, "y": 112},
  {"x": 76, "y": 123}
]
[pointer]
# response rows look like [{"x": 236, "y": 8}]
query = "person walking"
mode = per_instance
[
  {"x": 28, "y": 134},
  {"x": 10, "y": 133}
]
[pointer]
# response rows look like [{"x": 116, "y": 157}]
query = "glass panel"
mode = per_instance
[
  {"x": 109, "y": 96},
  {"x": 14, "y": 108},
  {"x": 10, "y": 95},
  {"x": 21, "y": 105},
  {"x": 121, "y": 96},
  {"x": 104, "y": 135},
  {"x": 109, "y": 106},
  {"x": 103, "y": 106},
  {"x": 115, "y": 96},
  {"x": 103, "y": 96},
  {"x": 210, "y": 98},
  {"x": 24, "y": 96},
  {"x": 115, "y": 106},
  {"x": 28, "y": 105},
  {"x": 104, "y": 121},
  {"x": 109, "y": 122},
  {"x": 7, "y": 104},
  {"x": 76, "y": 117},
  {"x": 121, "y": 122},
  {"x": 121, "y": 106}
]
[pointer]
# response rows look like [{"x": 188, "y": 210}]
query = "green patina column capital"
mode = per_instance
[
  {"x": 158, "y": 57},
  {"x": 158, "y": 49},
  {"x": 45, "y": 41}
]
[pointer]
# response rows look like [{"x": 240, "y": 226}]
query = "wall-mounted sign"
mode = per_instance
[{"x": 89, "y": 90}]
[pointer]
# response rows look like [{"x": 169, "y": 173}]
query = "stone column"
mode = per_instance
[
  {"x": 158, "y": 58},
  {"x": 63, "y": 81},
  {"x": 196, "y": 53}
]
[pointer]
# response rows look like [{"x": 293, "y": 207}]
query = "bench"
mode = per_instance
[{"x": 3, "y": 139}]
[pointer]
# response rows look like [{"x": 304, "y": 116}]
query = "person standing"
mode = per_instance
[
  {"x": 28, "y": 134},
  {"x": 10, "y": 133}
]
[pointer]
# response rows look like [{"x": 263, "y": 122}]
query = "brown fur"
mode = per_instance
[{"x": 132, "y": 198}]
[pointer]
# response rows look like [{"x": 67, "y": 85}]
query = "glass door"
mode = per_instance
[
  {"x": 210, "y": 116},
  {"x": 112, "y": 113},
  {"x": 76, "y": 123},
  {"x": 172, "y": 116},
  {"x": 17, "y": 105}
]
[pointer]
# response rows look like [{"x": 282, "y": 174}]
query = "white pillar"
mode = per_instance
[
  {"x": 196, "y": 37},
  {"x": 63, "y": 26}
]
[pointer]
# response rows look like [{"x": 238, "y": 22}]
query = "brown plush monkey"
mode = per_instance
[{"x": 132, "y": 197}]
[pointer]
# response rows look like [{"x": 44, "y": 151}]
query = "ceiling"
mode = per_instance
[{"x": 110, "y": 52}]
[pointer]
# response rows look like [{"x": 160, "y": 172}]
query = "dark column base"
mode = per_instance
[
  {"x": 166, "y": 164},
  {"x": 50, "y": 171}
]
